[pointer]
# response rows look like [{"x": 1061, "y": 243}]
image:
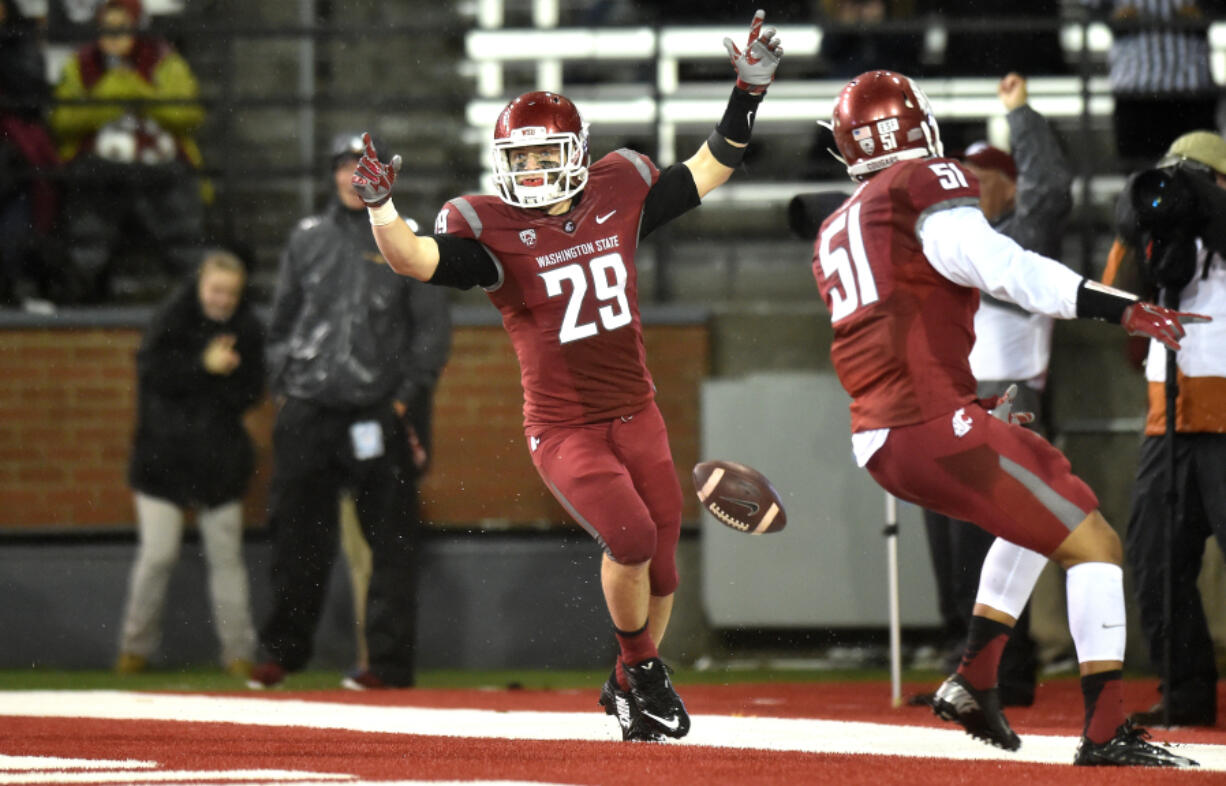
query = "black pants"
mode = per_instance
[
  {"x": 1200, "y": 511},
  {"x": 314, "y": 461},
  {"x": 957, "y": 549},
  {"x": 107, "y": 200}
]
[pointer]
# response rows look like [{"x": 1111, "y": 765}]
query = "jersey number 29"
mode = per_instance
[
  {"x": 845, "y": 265},
  {"x": 608, "y": 275}
]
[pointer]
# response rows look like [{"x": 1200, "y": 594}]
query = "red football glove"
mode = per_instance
[
  {"x": 1156, "y": 322},
  {"x": 373, "y": 179},
  {"x": 1001, "y": 408},
  {"x": 755, "y": 67}
]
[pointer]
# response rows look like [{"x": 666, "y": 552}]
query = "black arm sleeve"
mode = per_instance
[
  {"x": 673, "y": 194},
  {"x": 1099, "y": 301},
  {"x": 463, "y": 263}
]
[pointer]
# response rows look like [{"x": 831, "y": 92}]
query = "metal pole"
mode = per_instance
[
  {"x": 306, "y": 113},
  {"x": 891, "y": 553}
]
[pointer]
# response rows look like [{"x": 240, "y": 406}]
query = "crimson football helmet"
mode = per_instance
[
  {"x": 881, "y": 118},
  {"x": 532, "y": 120}
]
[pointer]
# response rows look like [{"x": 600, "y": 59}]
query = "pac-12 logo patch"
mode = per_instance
[{"x": 528, "y": 237}]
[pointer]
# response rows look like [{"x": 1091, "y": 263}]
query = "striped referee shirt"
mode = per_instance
[{"x": 1156, "y": 49}]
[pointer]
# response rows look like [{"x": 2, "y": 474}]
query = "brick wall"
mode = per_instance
[{"x": 67, "y": 398}]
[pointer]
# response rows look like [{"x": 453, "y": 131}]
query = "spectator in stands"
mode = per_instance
[
  {"x": 200, "y": 367},
  {"x": 859, "y": 46},
  {"x": 1196, "y": 276},
  {"x": 1025, "y": 196},
  {"x": 1001, "y": 36},
  {"x": 131, "y": 159},
  {"x": 28, "y": 198},
  {"x": 1160, "y": 74},
  {"x": 354, "y": 352}
]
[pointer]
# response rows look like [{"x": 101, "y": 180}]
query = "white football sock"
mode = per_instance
[
  {"x": 1096, "y": 615},
  {"x": 1008, "y": 577}
]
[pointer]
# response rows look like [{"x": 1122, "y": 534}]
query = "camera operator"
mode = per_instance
[{"x": 1169, "y": 221}]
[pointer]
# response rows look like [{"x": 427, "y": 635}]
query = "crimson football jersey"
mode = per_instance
[
  {"x": 568, "y": 292},
  {"x": 902, "y": 332}
]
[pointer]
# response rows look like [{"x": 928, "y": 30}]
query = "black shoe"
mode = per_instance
[
  {"x": 621, "y": 705},
  {"x": 977, "y": 711},
  {"x": 1127, "y": 748},
  {"x": 1154, "y": 716},
  {"x": 660, "y": 708}
]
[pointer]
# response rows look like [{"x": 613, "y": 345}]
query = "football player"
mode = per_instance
[
  {"x": 555, "y": 252},
  {"x": 900, "y": 265}
]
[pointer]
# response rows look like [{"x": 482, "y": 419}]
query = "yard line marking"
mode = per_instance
[
  {"x": 61, "y": 763},
  {"x": 163, "y": 776},
  {"x": 761, "y": 733}
]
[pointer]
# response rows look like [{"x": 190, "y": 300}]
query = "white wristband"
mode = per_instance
[{"x": 382, "y": 214}]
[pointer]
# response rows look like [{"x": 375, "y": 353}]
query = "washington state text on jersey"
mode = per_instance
[{"x": 578, "y": 250}]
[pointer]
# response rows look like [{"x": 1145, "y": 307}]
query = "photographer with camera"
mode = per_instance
[{"x": 1172, "y": 242}]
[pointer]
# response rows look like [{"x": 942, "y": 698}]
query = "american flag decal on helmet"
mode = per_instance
[{"x": 864, "y": 136}]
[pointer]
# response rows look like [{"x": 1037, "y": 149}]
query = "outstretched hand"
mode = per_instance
[
  {"x": 755, "y": 66},
  {"x": 1159, "y": 323},
  {"x": 373, "y": 179}
]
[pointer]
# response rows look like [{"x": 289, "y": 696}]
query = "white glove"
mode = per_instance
[{"x": 755, "y": 67}]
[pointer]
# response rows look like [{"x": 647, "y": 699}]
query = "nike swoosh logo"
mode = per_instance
[
  {"x": 605, "y": 217},
  {"x": 1116, "y": 625},
  {"x": 671, "y": 723},
  {"x": 749, "y": 505},
  {"x": 749, "y": 117}
]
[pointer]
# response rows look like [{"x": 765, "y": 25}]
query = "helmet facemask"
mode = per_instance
[{"x": 546, "y": 185}]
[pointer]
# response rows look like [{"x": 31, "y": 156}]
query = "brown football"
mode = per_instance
[{"x": 739, "y": 497}]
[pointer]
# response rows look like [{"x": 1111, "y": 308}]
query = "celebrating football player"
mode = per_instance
[
  {"x": 554, "y": 251},
  {"x": 900, "y": 265}
]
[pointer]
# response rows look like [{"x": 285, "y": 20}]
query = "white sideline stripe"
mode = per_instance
[
  {"x": 372, "y": 783},
  {"x": 59, "y": 763},
  {"x": 162, "y": 776},
  {"x": 780, "y": 734}
]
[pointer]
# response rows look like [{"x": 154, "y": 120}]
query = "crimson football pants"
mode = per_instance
[
  {"x": 618, "y": 481},
  {"x": 971, "y": 466}
]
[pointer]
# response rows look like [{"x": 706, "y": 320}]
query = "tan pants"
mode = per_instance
[
  {"x": 161, "y": 535},
  {"x": 357, "y": 555}
]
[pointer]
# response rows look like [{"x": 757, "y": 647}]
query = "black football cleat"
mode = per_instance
[
  {"x": 660, "y": 708},
  {"x": 977, "y": 711},
  {"x": 621, "y": 705},
  {"x": 1128, "y": 748}
]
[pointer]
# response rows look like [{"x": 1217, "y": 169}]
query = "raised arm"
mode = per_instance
[
  {"x": 405, "y": 252},
  {"x": 755, "y": 68}
]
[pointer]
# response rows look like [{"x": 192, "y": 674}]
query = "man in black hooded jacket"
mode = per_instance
[{"x": 354, "y": 352}]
